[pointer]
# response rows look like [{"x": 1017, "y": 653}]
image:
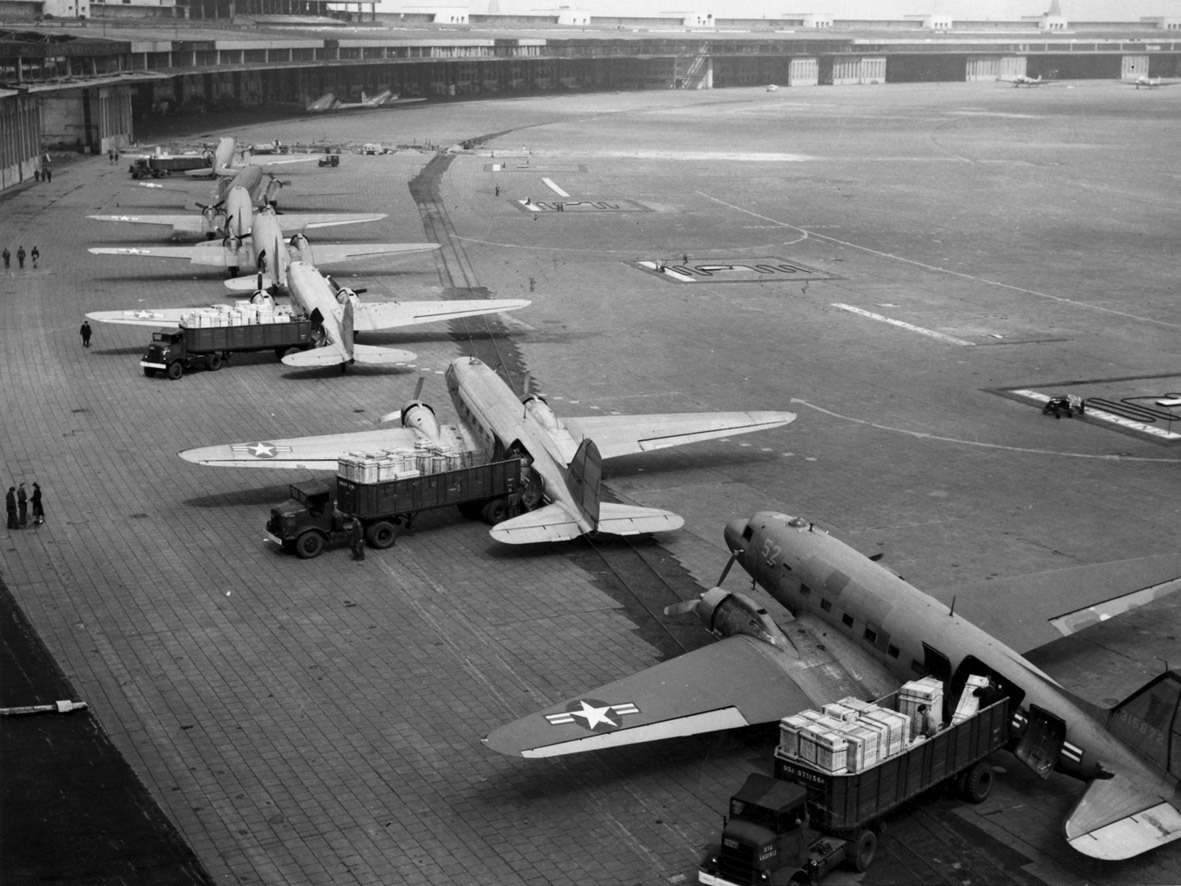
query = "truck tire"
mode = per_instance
[
  {"x": 382, "y": 535},
  {"x": 175, "y": 370},
  {"x": 977, "y": 783},
  {"x": 213, "y": 362},
  {"x": 864, "y": 848},
  {"x": 495, "y": 511},
  {"x": 473, "y": 510},
  {"x": 309, "y": 545},
  {"x": 149, "y": 372}
]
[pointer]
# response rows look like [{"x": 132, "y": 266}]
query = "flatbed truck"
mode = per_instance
[
  {"x": 793, "y": 828},
  {"x": 173, "y": 351},
  {"x": 313, "y": 519},
  {"x": 162, "y": 167}
]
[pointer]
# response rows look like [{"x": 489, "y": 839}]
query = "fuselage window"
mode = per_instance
[
  {"x": 893, "y": 651},
  {"x": 871, "y": 635},
  {"x": 805, "y": 590},
  {"x": 847, "y": 620},
  {"x": 826, "y": 606}
]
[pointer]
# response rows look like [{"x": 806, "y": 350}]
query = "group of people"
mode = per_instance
[
  {"x": 35, "y": 255},
  {"x": 44, "y": 171},
  {"x": 16, "y": 502}
]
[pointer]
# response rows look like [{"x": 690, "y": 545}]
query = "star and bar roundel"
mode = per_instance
[
  {"x": 594, "y": 715},
  {"x": 262, "y": 450}
]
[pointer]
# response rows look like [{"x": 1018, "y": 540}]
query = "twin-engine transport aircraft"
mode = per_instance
[
  {"x": 263, "y": 191},
  {"x": 1025, "y": 80},
  {"x": 384, "y": 99},
  {"x": 856, "y": 628},
  {"x": 258, "y": 244},
  {"x": 565, "y": 454},
  {"x": 226, "y": 163}
]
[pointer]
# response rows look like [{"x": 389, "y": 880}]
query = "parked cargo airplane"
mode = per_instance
[
  {"x": 1153, "y": 82},
  {"x": 213, "y": 221},
  {"x": 859, "y": 629},
  {"x": 566, "y": 454},
  {"x": 257, "y": 242},
  {"x": 1025, "y": 80},
  {"x": 384, "y": 99},
  {"x": 226, "y": 163}
]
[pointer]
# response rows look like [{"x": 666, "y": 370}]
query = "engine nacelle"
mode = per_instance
[
  {"x": 539, "y": 409},
  {"x": 262, "y": 297},
  {"x": 726, "y": 613},
  {"x": 421, "y": 418},
  {"x": 233, "y": 244}
]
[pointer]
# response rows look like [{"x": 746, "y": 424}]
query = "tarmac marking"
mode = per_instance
[
  {"x": 935, "y": 268},
  {"x": 552, "y": 185},
  {"x": 901, "y": 324},
  {"x": 922, "y": 435},
  {"x": 1103, "y": 415}
]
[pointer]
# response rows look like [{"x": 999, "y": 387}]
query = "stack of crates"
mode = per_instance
[
  {"x": 848, "y": 736},
  {"x": 915, "y": 695},
  {"x": 377, "y": 467},
  {"x": 244, "y": 313}
]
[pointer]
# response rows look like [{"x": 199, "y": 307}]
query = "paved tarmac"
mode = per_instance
[{"x": 923, "y": 251}]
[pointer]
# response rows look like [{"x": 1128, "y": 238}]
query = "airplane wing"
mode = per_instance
[
  {"x": 1028, "y": 611},
  {"x": 155, "y": 317},
  {"x": 617, "y": 435},
  {"x": 307, "y": 221},
  {"x": 313, "y": 453},
  {"x": 1118, "y": 818},
  {"x": 329, "y": 253},
  {"x": 738, "y": 681},
  {"x": 372, "y": 316},
  {"x": 197, "y": 255},
  {"x": 192, "y": 223}
]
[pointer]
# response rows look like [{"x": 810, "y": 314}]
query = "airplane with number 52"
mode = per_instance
[
  {"x": 854, "y": 628},
  {"x": 562, "y": 497}
]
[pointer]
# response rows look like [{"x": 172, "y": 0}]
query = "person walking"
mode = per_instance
[
  {"x": 22, "y": 505},
  {"x": 357, "y": 540},
  {"x": 38, "y": 507},
  {"x": 20, "y": 256},
  {"x": 7, "y": 257},
  {"x": 10, "y": 507},
  {"x": 85, "y": 333},
  {"x": 47, "y": 173},
  {"x": 34, "y": 255}
]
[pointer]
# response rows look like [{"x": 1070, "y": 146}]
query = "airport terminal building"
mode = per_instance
[{"x": 78, "y": 75}]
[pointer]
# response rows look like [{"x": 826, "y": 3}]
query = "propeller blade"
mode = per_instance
[
  {"x": 390, "y": 416},
  {"x": 726, "y": 571},
  {"x": 685, "y": 607},
  {"x": 527, "y": 383},
  {"x": 418, "y": 387}
]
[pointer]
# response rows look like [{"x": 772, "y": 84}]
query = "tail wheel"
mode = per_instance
[
  {"x": 865, "y": 847},
  {"x": 382, "y": 535},
  {"x": 495, "y": 511},
  {"x": 309, "y": 545},
  {"x": 977, "y": 784}
]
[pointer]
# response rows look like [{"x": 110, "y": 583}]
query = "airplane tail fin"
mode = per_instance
[
  {"x": 1143, "y": 721},
  {"x": 584, "y": 478}
]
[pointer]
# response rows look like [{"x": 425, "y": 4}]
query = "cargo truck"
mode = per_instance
[
  {"x": 311, "y": 519},
  {"x": 162, "y": 166},
  {"x": 173, "y": 351},
  {"x": 793, "y": 828}
]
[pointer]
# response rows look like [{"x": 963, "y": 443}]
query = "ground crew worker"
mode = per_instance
[
  {"x": 35, "y": 254},
  {"x": 10, "y": 506},
  {"x": 85, "y": 333},
  {"x": 357, "y": 540},
  {"x": 20, "y": 256},
  {"x": 38, "y": 507},
  {"x": 22, "y": 505},
  {"x": 7, "y": 257}
]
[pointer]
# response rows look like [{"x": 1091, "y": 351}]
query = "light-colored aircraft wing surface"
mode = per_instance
[
  {"x": 619, "y": 519},
  {"x": 554, "y": 522},
  {"x": 307, "y": 221},
  {"x": 617, "y": 435},
  {"x": 329, "y": 253},
  {"x": 192, "y": 223},
  {"x": 155, "y": 317},
  {"x": 334, "y": 356},
  {"x": 313, "y": 453},
  {"x": 372, "y": 316},
  {"x": 738, "y": 681},
  {"x": 1028, "y": 611},
  {"x": 197, "y": 255},
  {"x": 1117, "y": 818}
]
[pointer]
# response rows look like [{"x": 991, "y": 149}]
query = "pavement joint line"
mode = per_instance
[{"x": 902, "y": 324}]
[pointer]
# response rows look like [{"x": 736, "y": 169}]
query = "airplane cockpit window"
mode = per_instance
[{"x": 748, "y": 533}]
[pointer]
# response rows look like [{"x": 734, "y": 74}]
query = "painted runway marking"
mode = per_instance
[
  {"x": 552, "y": 185},
  {"x": 531, "y": 205},
  {"x": 731, "y": 270},
  {"x": 910, "y": 327},
  {"x": 922, "y": 435},
  {"x": 926, "y": 267},
  {"x": 1102, "y": 415}
]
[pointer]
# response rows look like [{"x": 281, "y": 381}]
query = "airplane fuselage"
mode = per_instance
[{"x": 912, "y": 634}]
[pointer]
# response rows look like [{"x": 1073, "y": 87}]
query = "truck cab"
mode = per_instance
[
  {"x": 308, "y": 521},
  {"x": 766, "y": 838},
  {"x": 167, "y": 348}
]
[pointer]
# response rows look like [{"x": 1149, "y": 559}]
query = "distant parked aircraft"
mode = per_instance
[{"x": 384, "y": 99}]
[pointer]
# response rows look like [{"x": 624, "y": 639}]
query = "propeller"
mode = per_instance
[{"x": 390, "y": 416}]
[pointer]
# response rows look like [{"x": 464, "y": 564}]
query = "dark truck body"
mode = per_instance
[
  {"x": 797, "y": 826},
  {"x": 174, "y": 350},
  {"x": 162, "y": 167},
  {"x": 310, "y": 520}
]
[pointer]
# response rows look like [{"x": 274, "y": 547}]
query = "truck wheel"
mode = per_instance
[
  {"x": 214, "y": 362},
  {"x": 977, "y": 784},
  {"x": 149, "y": 372},
  {"x": 309, "y": 545},
  {"x": 473, "y": 510},
  {"x": 865, "y": 847},
  {"x": 175, "y": 370},
  {"x": 495, "y": 511},
  {"x": 382, "y": 535}
]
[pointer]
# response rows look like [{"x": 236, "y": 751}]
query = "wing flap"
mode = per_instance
[
  {"x": 618, "y": 435},
  {"x": 329, "y": 253},
  {"x": 373, "y": 316},
  {"x": 182, "y": 224},
  {"x": 620, "y": 519}
]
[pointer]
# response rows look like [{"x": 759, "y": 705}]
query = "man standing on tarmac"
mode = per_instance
[{"x": 357, "y": 540}]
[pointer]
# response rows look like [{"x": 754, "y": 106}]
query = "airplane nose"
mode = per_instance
[{"x": 733, "y": 534}]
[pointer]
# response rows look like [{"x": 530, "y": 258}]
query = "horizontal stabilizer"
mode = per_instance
[
  {"x": 554, "y": 522},
  {"x": 1116, "y": 819},
  {"x": 629, "y": 520},
  {"x": 248, "y": 284},
  {"x": 330, "y": 355},
  {"x": 377, "y": 356}
]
